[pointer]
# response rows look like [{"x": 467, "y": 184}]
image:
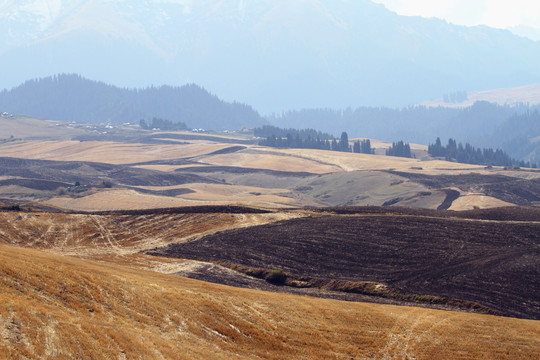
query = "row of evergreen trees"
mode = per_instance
[
  {"x": 363, "y": 147},
  {"x": 297, "y": 142},
  {"x": 269, "y": 130},
  {"x": 470, "y": 155},
  {"x": 310, "y": 139}
]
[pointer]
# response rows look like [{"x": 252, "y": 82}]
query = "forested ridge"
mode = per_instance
[{"x": 70, "y": 97}]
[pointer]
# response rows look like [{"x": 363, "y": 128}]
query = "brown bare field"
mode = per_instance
[
  {"x": 242, "y": 194},
  {"x": 59, "y": 307},
  {"x": 91, "y": 235},
  {"x": 116, "y": 200},
  {"x": 491, "y": 263},
  {"x": 202, "y": 194},
  {"x": 365, "y": 188}
]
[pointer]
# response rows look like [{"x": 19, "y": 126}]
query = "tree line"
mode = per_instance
[
  {"x": 313, "y": 139},
  {"x": 400, "y": 149},
  {"x": 468, "y": 154},
  {"x": 513, "y": 128}
]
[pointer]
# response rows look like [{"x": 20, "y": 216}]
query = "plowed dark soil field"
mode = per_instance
[
  {"x": 510, "y": 189},
  {"x": 493, "y": 263}
]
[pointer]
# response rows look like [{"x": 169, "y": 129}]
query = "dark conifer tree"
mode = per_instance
[
  {"x": 344, "y": 143},
  {"x": 365, "y": 147},
  {"x": 356, "y": 146}
]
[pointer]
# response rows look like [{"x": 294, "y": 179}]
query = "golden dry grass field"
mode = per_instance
[
  {"x": 60, "y": 307},
  {"x": 270, "y": 177},
  {"x": 26, "y": 127},
  {"x": 86, "y": 235}
]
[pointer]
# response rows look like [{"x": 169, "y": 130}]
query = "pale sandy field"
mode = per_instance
[{"x": 201, "y": 152}]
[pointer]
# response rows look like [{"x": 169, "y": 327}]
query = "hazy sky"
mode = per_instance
[{"x": 495, "y": 13}]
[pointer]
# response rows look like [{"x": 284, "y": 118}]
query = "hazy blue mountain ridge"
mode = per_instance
[
  {"x": 273, "y": 54},
  {"x": 515, "y": 129},
  {"x": 73, "y": 98}
]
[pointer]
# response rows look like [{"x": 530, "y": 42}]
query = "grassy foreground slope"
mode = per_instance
[{"x": 60, "y": 307}]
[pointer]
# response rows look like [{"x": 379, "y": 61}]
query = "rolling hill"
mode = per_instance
[
  {"x": 113, "y": 168},
  {"x": 83, "y": 206},
  {"x": 488, "y": 265},
  {"x": 56, "y": 306}
]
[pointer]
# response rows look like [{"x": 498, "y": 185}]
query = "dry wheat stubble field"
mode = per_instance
[
  {"x": 88, "y": 291},
  {"x": 61, "y": 307},
  {"x": 58, "y": 306}
]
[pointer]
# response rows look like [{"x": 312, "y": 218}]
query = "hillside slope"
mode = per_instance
[
  {"x": 527, "y": 94},
  {"x": 58, "y": 307},
  {"x": 492, "y": 263},
  {"x": 112, "y": 168}
]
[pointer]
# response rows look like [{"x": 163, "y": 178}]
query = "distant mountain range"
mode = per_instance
[
  {"x": 73, "y": 98},
  {"x": 273, "y": 54}
]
